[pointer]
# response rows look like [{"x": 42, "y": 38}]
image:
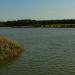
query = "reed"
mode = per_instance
[{"x": 9, "y": 48}]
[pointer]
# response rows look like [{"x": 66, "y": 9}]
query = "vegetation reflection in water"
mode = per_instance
[{"x": 9, "y": 49}]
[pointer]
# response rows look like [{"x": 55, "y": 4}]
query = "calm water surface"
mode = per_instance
[{"x": 46, "y": 51}]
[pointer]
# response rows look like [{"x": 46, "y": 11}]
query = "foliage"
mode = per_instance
[
  {"x": 39, "y": 23},
  {"x": 8, "y": 48}
]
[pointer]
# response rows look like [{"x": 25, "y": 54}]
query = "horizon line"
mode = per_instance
[{"x": 34, "y": 19}]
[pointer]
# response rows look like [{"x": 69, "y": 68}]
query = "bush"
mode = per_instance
[{"x": 8, "y": 48}]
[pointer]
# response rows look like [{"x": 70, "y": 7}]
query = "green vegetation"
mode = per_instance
[
  {"x": 68, "y": 23},
  {"x": 8, "y": 49}
]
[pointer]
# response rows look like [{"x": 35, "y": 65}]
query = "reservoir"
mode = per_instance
[{"x": 46, "y": 51}]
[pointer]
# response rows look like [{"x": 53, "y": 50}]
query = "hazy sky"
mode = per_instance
[{"x": 37, "y": 9}]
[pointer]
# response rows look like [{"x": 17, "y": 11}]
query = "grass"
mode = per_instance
[{"x": 8, "y": 48}]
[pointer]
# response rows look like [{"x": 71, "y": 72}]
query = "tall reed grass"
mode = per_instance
[{"x": 8, "y": 48}]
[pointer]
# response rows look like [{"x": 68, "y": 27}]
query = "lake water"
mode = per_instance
[{"x": 46, "y": 51}]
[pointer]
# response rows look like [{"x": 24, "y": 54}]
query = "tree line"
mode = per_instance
[{"x": 39, "y": 23}]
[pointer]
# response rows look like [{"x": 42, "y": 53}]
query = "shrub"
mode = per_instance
[{"x": 8, "y": 48}]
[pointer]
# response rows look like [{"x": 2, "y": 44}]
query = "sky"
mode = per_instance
[{"x": 37, "y": 9}]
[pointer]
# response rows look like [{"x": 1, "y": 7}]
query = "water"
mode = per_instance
[{"x": 46, "y": 51}]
